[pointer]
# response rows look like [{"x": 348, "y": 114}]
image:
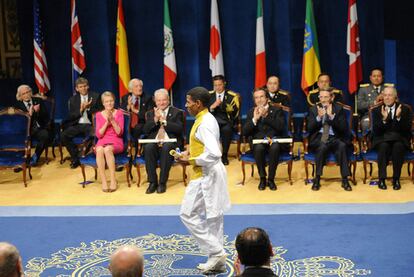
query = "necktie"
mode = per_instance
[
  {"x": 161, "y": 131},
  {"x": 134, "y": 116},
  {"x": 325, "y": 130},
  {"x": 29, "y": 104}
]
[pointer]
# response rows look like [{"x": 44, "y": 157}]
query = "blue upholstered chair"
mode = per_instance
[
  {"x": 235, "y": 139},
  {"x": 15, "y": 140},
  {"x": 370, "y": 156},
  {"x": 121, "y": 160},
  {"x": 286, "y": 157},
  {"x": 53, "y": 128},
  {"x": 81, "y": 141},
  {"x": 309, "y": 157},
  {"x": 139, "y": 160}
]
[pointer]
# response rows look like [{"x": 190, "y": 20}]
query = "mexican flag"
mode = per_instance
[{"x": 170, "y": 68}]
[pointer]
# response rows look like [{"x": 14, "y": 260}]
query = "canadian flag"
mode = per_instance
[
  {"x": 353, "y": 48},
  {"x": 216, "y": 51}
]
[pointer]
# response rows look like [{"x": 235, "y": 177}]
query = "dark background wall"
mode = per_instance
[{"x": 381, "y": 44}]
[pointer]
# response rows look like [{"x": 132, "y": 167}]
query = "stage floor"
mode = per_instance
[
  {"x": 56, "y": 184},
  {"x": 63, "y": 229}
]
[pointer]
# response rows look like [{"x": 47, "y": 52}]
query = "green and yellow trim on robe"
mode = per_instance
[{"x": 196, "y": 146}]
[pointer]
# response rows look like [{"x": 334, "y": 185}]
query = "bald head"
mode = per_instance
[
  {"x": 254, "y": 247},
  {"x": 10, "y": 261},
  {"x": 127, "y": 261}
]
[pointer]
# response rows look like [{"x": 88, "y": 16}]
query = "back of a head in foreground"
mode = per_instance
[
  {"x": 253, "y": 247},
  {"x": 10, "y": 262},
  {"x": 127, "y": 261}
]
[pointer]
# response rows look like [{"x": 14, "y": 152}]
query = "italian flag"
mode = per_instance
[
  {"x": 170, "y": 68},
  {"x": 260, "y": 73}
]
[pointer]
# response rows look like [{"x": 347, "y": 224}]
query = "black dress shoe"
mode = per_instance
[
  {"x": 74, "y": 164},
  {"x": 151, "y": 188},
  {"x": 381, "y": 184},
  {"x": 345, "y": 185},
  {"x": 316, "y": 183},
  {"x": 161, "y": 188},
  {"x": 225, "y": 160},
  {"x": 17, "y": 169},
  {"x": 396, "y": 184},
  {"x": 262, "y": 184},
  {"x": 272, "y": 185}
]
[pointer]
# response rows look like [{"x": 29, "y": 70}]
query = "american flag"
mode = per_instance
[
  {"x": 40, "y": 63},
  {"x": 78, "y": 56}
]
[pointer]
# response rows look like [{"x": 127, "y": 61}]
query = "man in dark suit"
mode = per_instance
[
  {"x": 224, "y": 105},
  {"x": 265, "y": 121},
  {"x": 277, "y": 95},
  {"x": 329, "y": 132},
  {"x": 138, "y": 104},
  {"x": 163, "y": 122},
  {"x": 79, "y": 122},
  {"x": 40, "y": 118},
  {"x": 254, "y": 251},
  {"x": 370, "y": 94},
  {"x": 324, "y": 83},
  {"x": 391, "y": 136}
]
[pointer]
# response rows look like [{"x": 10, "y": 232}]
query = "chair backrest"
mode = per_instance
[
  {"x": 50, "y": 105},
  {"x": 289, "y": 130},
  {"x": 348, "y": 113},
  {"x": 370, "y": 109},
  {"x": 14, "y": 128},
  {"x": 127, "y": 126}
]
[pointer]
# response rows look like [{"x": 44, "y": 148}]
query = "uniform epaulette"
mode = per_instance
[
  {"x": 316, "y": 90},
  {"x": 364, "y": 85},
  {"x": 211, "y": 91},
  {"x": 388, "y": 85},
  {"x": 284, "y": 92},
  {"x": 337, "y": 91},
  {"x": 232, "y": 93}
]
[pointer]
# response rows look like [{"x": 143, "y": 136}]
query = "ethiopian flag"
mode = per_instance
[
  {"x": 122, "y": 52},
  {"x": 310, "y": 65}
]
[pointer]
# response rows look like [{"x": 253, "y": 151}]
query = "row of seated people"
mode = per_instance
[{"x": 224, "y": 105}]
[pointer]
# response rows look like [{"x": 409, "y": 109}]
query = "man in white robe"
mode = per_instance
[{"x": 206, "y": 197}]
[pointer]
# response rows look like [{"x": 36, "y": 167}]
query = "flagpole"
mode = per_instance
[{"x": 171, "y": 97}]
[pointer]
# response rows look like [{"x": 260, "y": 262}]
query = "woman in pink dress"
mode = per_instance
[{"x": 109, "y": 131}]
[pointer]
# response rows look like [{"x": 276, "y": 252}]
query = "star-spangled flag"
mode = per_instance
[
  {"x": 40, "y": 64},
  {"x": 78, "y": 56}
]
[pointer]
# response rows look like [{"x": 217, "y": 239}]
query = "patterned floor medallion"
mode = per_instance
[{"x": 174, "y": 255}]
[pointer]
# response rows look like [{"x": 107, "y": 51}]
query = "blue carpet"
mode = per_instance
[{"x": 305, "y": 245}]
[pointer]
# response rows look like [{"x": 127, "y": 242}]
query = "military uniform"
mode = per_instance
[
  {"x": 226, "y": 115},
  {"x": 367, "y": 94},
  {"x": 313, "y": 96},
  {"x": 281, "y": 97}
]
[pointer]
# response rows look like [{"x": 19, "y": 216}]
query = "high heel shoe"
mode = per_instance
[{"x": 113, "y": 190}]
